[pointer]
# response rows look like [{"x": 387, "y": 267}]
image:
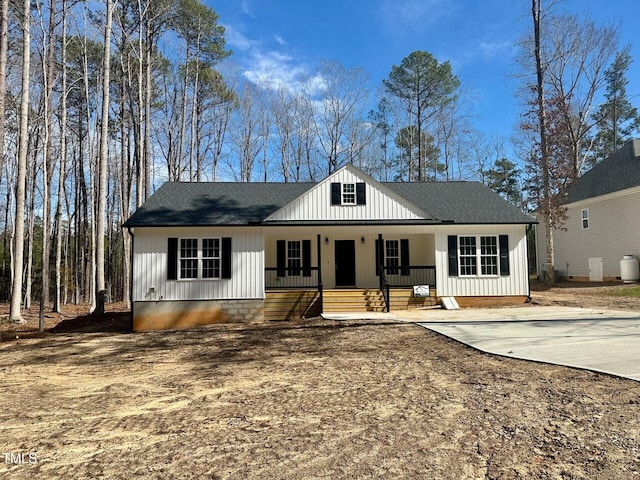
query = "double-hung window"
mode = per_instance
[
  {"x": 210, "y": 258},
  {"x": 294, "y": 257},
  {"x": 199, "y": 258},
  {"x": 392, "y": 256},
  {"x": 348, "y": 194},
  {"x": 488, "y": 256},
  {"x": 468, "y": 256},
  {"x": 585, "y": 218},
  {"x": 188, "y": 258}
]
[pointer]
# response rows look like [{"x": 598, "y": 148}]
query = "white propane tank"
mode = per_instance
[{"x": 629, "y": 269}]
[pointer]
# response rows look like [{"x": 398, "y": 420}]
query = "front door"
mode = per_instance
[{"x": 345, "y": 257}]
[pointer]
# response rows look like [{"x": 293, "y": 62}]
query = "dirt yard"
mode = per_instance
[{"x": 311, "y": 399}]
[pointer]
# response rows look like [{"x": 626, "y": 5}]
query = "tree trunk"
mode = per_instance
[
  {"x": 536, "y": 11},
  {"x": 103, "y": 165},
  {"x": 18, "y": 258},
  {"x": 63, "y": 164},
  {"x": 47, "y": 163},
  {"x": 4, "y": 22}
]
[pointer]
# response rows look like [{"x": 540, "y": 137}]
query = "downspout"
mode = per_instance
[
  {"x": 133, "y": 242},
  {"x": 319, "y": 260},
  {"x": 527, "y": 230}
]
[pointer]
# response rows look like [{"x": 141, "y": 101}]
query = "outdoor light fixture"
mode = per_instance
[
  {"x": 362, "y": 240},
  {"x": 326, "y": 240}
]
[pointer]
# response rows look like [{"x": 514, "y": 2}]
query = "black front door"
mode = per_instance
[{"x": 345, "y": 263}]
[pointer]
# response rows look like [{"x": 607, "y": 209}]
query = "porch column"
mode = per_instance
[
  {"x": 384, "y": 285},
  {"x": 318, "y": 246}
]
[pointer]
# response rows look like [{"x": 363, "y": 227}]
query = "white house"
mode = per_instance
[
  {"x": 603, "y": 220},
  {"x": 205, "y": 252}
]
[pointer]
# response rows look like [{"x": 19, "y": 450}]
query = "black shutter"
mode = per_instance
[
  {"x": 361, "y": 195},
  {"x": 377, "y": 257},
  {"x": 504, "y": 254},
  {"x": 453, "y": 255},
  {"x": 226, "y": 258},
  {"x": 404, "y": 256},
  {"x": 172, "y": 259},
  {"x": 281, "y": 253},
  {"x": 336, "y": 192},
  {"x": 306, "y": 258}
]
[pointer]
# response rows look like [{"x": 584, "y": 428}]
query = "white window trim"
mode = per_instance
[
  {"x": 199, "y": 258},
  {"x": 583, "y": 218},
  {"x": 478, "y": 257},
  {"x": 343, "y": 193}
]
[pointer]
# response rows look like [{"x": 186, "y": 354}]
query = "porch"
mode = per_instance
[{"x": 305, "y": 277}]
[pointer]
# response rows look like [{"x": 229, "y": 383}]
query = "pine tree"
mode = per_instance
[{"x": 617, "y": 119}]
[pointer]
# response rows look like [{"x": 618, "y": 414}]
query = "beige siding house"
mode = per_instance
[
  {"x": 603, "y": 220},
  {"x": 207, "y": 252}
]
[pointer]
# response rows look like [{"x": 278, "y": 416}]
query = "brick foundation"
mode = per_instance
[{"x": 160, "y": 315}]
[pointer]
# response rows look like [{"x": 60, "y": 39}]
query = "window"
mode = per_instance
[
  {"x": 188, "y": 258},
  {"x": 294, "y": 257},
  {"x": 585, "y": 218},
  {"x": 488, "y": 255},
  {"x": 492, "y": 255},
  {"x": 468, "y": 265},
  {"x": 199, "y": 259},
  {"x": 211, "y": 258},
  {"x": 348, "y": 193},
  {"x": 392, "y": 256}
]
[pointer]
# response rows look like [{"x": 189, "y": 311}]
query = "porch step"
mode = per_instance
[
  {"x": 291, "y": 304},
  {"x": 372, "y": 300},
  {"x": 353, "y": 300}
]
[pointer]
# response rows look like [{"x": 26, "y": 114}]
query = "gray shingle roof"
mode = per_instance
[
  {"x": 460, "y": 202},
  {"x": 214, "y": 203},
  {"x": 203, "y": 204},
  {"x": 617, "y": 172}
]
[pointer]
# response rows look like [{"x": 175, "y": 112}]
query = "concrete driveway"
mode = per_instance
[{"x": 600, "y": 340}]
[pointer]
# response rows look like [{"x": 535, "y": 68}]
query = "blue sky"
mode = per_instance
[{"x": 285, "y": 39}]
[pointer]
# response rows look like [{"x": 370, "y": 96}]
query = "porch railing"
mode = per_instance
[
  {"x": 408, "y": 276},
  {"x": 292, "y": 278}
]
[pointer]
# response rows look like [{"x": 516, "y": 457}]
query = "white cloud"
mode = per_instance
[
  {"x": 492, "y": 49},
  {"x": 414, "y": 14},
  {"x": 246, "y": 9},
  {"x": 280, "y": 40},
  {"x": 273, "y": 69},
  {"x": 235, "y": 39}
]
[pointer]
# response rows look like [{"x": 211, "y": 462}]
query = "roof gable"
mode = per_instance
[
  {"x": 619, "y": 171},
  {"x": 382, "y": 203}
]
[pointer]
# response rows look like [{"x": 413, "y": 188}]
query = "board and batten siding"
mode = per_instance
[
  {"x": 381, "y": 203},
  {"x": 516, "y": 283},
  {"x": 150, "y": 265},
  {"x": 614, "y": 231}
]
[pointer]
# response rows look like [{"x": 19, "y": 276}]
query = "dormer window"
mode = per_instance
[{"x": 348, "y": 193}]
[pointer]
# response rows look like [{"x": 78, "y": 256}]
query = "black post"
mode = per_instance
[{"x": 318, "y": 244}]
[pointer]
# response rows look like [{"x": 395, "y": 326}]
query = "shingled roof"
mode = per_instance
[
  {"x": 231, "y": 203},
  {"x": 617, "y": 172}
]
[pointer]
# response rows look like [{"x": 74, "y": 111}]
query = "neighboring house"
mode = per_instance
[
  {"x": 603, "y": 220},
  {"x": 206, "y": 252}
]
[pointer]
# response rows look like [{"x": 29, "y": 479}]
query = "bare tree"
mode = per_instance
[
  {"x": 547, "y": 204},
  {"x": 18, "y": 249},
  {"x": 577, "y": 53},
  {"x": 342, "y": 100},
  {"x": 4, "y": 35},
  {"x": 103, "y": 159}
]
